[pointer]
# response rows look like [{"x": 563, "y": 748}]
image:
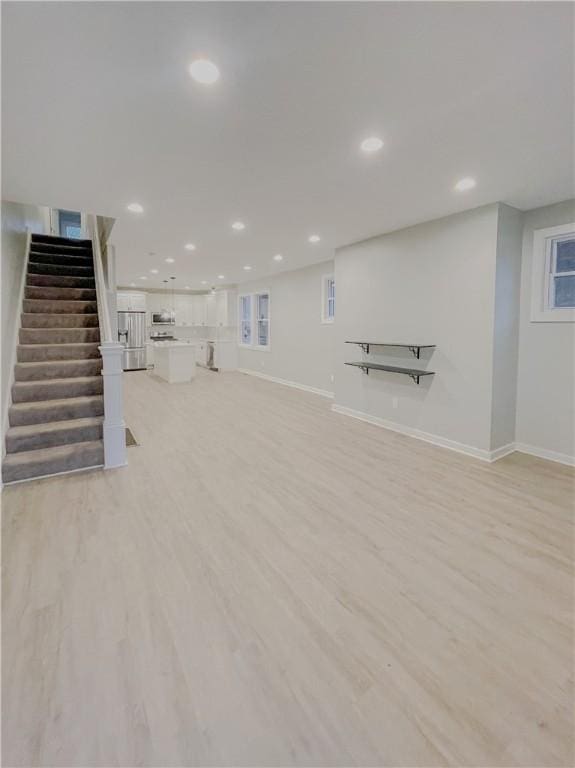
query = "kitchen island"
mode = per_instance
[{"x": 175, "y": 361}]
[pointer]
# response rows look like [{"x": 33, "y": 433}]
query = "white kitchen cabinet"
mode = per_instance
[
  {"x": 224, "y": 310},
  {"x": 131, "y": 301},
  {"x": 226, "y": 355},
  {"x": 199, "y": 310},
  {"x": 183, "y": 308},
  {"x": 201, "y": 352},
  {"x": 211, "y": 311}
]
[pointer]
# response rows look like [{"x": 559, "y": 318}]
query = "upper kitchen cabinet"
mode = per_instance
[
  {"x": 199, "y": 310},
  {"x": 225, "y": 308},
  {"x": 183, "y": 309},
  {"x": 131, "y": 301},
  {"x": 211, "y": 310}
]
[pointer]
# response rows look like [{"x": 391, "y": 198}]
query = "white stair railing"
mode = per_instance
[{"x": 111, "y": 351}]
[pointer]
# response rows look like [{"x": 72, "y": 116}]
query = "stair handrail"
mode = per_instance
[
  {"x": 101, "y": 295},
  {"x": 114, "y": 427}
]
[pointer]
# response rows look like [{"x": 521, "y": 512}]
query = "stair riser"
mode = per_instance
[
  {"x": 58, "y": 269},
  {"x": 38, "y": 320},
  {"x": 43, "y": 353},
  {"x": 57, "y": 370},
  {"x": 71, "y": 434},
  {"x": 59, "y": 335},
  {"x": 60, "y": 281},
  {"x": 60, "y": 307},
  {"x": 26, "y": 393},
  {"x": 61, "y": 248},
  {"x": 83, "y": 458},
  {"x": 63, "y": 259},
  {"x": 59, "y": 293},
  {"x": 60, "y": 412},
  {"x": 68, "y": 241}
]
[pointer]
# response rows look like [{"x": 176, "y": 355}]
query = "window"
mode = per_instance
[
  {"x": 263, "y": 320},
  {"x": 553, "y": 286},
  {"x": 328, "y": 299},
  {"x": 246, "y": 320},
  {"x": 562, "y": 273},
  {"x": 70, "y": 224},
  {"x": 255, "y": 320}
]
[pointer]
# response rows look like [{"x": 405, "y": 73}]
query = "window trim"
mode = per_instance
[
  {"x": 325, "y": 319},
  {"x": 541, "y": 272},
  {"x": 254, "y": 320}
]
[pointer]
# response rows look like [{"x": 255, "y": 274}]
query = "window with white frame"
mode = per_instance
[
  {"x": 246, "y": 320},
  {"x": 328, "y": 299},
  {"x": 254, "y": 329},
  {"x": 553, "y": 274},
  {"x": 263, "y": 319}
]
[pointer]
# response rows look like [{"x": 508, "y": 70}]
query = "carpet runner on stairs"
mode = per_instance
[{"x": 57, "y": 404}]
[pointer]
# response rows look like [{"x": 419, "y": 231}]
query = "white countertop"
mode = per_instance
[{"x": 171, "y": 344}]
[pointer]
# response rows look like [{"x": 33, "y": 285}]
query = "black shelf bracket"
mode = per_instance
[{"x": 415, "y": 352}]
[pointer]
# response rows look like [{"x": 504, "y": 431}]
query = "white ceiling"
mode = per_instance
[{"x": 99, "y": 111}]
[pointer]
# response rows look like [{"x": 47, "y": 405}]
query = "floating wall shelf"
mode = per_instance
[
  {"x": 415, "y": 349},
  {"x": 413, "y": 373}
]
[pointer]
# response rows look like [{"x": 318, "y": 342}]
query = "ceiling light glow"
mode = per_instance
[
  {"x": 144, "y": 277},
  {"x": 238, "y": 225},
  {"x": 170, "y": 261},
  {"x": 464, "y": 184},
  {"x": 135, "y": 208},
  {"x": 372, "y": 144},
  {"x": 247, "y": 267},
  {"x": 314, "y": 238},
  {"x": 221, "y": 277},
  {"x": 154, "y": 271},
  {"x": 278, "y": 257},
  {"x": 204, "y": 71},
  {"x": 190, "y": 247},
  {"x": 204, "y": 282}
]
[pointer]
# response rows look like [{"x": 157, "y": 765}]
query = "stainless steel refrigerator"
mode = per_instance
[{"x": 132, "y": 334}]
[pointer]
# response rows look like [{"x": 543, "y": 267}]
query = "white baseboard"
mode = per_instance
[
  {"x": 499, "y": 453},
  {"x": 543, "y": 453},
  {"x": 427, "y": 437},
  {"x": 286, "y": 383},
  {"x": 443, "y": 442}
]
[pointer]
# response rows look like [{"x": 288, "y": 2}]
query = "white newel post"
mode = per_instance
[{"x": 114, "y": 426}]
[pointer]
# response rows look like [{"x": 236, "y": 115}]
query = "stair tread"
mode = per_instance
[
  {"x": 65, "y": 401},
  {"x": 51, "y": 426},
  {"x": 54, "y": 452},
  {"x": 44, "y": 382},
  {"x": 62, "y": 344}
]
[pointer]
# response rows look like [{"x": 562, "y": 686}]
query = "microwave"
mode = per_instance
[{"x": 163, "y": 318}]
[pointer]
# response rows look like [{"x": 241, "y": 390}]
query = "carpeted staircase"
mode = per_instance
[{"x": 57, "y": 405}]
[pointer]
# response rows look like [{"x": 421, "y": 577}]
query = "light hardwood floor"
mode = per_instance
[{"x": 272, "y": 584}]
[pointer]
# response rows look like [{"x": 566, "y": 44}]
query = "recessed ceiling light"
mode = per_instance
[
  {"x": 464, "y": 184},
  {"x": 238, "y": 225},
  {"x": 135, "y": 208},
  {"x": 204, "y": 71},
  {"x": 132, "y": 285},
  {"x": 221, "y": 277},
  {"x": 278, "y": 257},
  {"x": 187, "y": 287},
  {"x": 154, "y": 271},
  {"x": 143, "y": 277},
  {"x": 372, "y": 144},
  {"x": 170, "y": 261},
  {"x": 314, "y": 238},
  {"x": 204, "y": 282},
  {"x": 190, "y": 247},
  {"x": 247, "y": 267}
]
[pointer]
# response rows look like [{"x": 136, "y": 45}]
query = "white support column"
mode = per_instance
[{"x": 114, "y": 426}]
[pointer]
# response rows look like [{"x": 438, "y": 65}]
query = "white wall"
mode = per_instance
[
  {"x": 546, "y": 378},
  {"x": 430, "y": 284},
  {"x": 506, "y": 326},
  {"x": 301, "y": 347},
  {"x": 17, "y": 219}
]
